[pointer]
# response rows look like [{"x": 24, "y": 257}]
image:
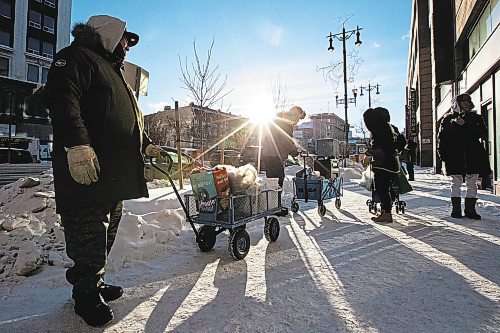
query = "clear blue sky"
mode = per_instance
[{"x": 257, "y": 41}]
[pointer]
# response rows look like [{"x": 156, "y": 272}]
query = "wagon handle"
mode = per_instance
[{"x": 167, "y": 173}]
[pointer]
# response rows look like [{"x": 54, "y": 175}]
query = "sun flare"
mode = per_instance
[{"x": 261, "y": 111}]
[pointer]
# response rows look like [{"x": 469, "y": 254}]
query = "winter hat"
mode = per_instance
[
  {"x": 111, "y": 30},
  {"x": 460, "y": 98},
  {"x": 296, "y": 113}
]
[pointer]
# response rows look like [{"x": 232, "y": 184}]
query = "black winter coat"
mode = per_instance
[
  {"x": 384, "y": 147},
  {"x": 90, "y": 103},
  {"x": 459, "y": 146}
]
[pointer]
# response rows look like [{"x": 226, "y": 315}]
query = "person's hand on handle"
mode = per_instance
[
  {"x": 154, "y": 151},
  {"x": 83, "y": 164}
]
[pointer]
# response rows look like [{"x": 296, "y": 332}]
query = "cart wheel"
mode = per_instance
[
  {"x": 321, "y": 210},
  {"x": 206, "y": 238},
  {"x": 338, "y": 203},
  {"x": 272, "y": 229},
  {"x": 239, "y": 244},
  {"x": 294, "y": 207},
  {"x": 403, "y": 205}
]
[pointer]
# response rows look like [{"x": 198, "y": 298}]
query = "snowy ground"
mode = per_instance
[{"x": 425, "y": 272}]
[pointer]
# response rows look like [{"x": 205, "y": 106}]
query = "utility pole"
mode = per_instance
[
  {"x": 343, "y": 36},
  {"x": 369, "y": 89},
  {"x": 178, "y": 140}
]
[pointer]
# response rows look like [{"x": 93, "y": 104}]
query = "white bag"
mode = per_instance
[{"x": 367, "y": 179}]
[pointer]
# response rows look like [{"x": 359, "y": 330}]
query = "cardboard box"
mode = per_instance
[{"x": 223, "y": 189}]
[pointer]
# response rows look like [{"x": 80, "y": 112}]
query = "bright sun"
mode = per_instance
[{"x": 261, "y": 110}]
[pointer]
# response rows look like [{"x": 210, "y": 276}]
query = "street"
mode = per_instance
[{"x": 12, "y": 172}]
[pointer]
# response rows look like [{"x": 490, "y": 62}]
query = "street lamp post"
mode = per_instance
[
  {"x": 369, "y": 89},
  {"x": 342, "y": 37}
]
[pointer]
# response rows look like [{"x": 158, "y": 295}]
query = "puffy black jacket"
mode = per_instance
[
  {"x": 90, "y": 103},
  {"x": 459, "y": 146}
]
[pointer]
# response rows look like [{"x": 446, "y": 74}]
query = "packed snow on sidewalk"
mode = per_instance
[{"x": 424, "y": 272}]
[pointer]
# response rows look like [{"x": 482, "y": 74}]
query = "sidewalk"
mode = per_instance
[{"x": 426, "y": 272}]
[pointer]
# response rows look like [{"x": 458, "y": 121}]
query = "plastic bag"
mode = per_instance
[
  {"x": 367, "y": 179},
  {"x": 243, "y": 179}
]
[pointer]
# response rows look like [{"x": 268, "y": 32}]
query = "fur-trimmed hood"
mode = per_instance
[{"x": 100, "y": 32}]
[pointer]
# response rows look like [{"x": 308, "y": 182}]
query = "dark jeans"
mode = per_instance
[
  {"x": 273, "y": 166},
  {"x": 411, "y": 171},
  {"x": 89, "y": 234},
  {"x": 383, "y": 181}
]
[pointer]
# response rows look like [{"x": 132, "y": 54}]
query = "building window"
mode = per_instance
[
  {"x": 33, "y": 45},
  {"x": 48, "y": 24},
  {"x": 45, "y": 73},
  {"x": 51, "y": 3},
  {"x": 5, "y": 9},
  {"x": 487, "y": 22},
  {"x": 33, "y": 74},
  {"x": 35, "y": 19},
  {"x": 5, "y": 38},
  {"x": 48, "y": 50},
  {"x": 4, "y": 66}
]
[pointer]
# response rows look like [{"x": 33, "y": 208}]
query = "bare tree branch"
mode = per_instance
[
  {"x": 280, "y": 98},
  {"x": 205, "y": 84}
]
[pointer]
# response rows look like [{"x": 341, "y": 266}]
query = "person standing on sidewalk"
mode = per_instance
[
  {"x": 384, "y": 157},
  {"x": 99, "y": 139},
  {"x": 463, "y": 153},
  {"x": 411, "y": 158},
  {"x": 277, "y": 143}
]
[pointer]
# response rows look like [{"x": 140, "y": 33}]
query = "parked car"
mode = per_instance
[
  {"x": 231, "y": 157},
  {"x": 188, "y": 164},
  {"x": 17, "y": 156}
]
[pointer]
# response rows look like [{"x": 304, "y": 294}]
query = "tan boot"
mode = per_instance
[{"x": 384, "y": 217}]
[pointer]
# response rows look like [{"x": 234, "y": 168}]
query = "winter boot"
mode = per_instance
[
  {"x": 92, "y": 308},
  {"x": 456, "y": 211},
  {"x": 384, "y": 217},
  {"x": 470, "y": 209},
  {"x": 109, "y": 292}
]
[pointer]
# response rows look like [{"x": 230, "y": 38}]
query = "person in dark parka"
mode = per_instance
[
  {"x": 98, "y": 139},
  {"x": 384, "y": 157},
  {"x": 277, "y": 143},
  {"x": 463, "y": 153}
]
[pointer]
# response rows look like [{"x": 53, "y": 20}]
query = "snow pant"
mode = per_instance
[
  {"x": 383, "y": 181},
  {"x": 410, "y": 170},
  {"x": 470, "y": 182},
  {"x": 89, "y": 234}
]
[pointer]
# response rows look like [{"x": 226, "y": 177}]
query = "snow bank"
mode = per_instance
[{"x": 32, "y": 237}]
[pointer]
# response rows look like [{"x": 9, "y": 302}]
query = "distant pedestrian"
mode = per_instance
[
  {"x": 99, "y": 139},
  {"x": 411, "y": 158},
  {"x": 463, "y": 153}
]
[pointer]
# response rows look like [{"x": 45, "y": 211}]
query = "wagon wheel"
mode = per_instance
[
  {"x": 294, "y": 207},
  {"x": 338, "y": 203},
  {"x": 403, "y": 205},
  {"x": 206, "y": 238},
  {"x": 321, "y": 210},
  {"x": 238, "y": 244},
  {"x": 272, "y": 229}
]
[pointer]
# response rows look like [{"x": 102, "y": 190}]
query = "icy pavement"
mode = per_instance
[{"x": 426, "y": 272}]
